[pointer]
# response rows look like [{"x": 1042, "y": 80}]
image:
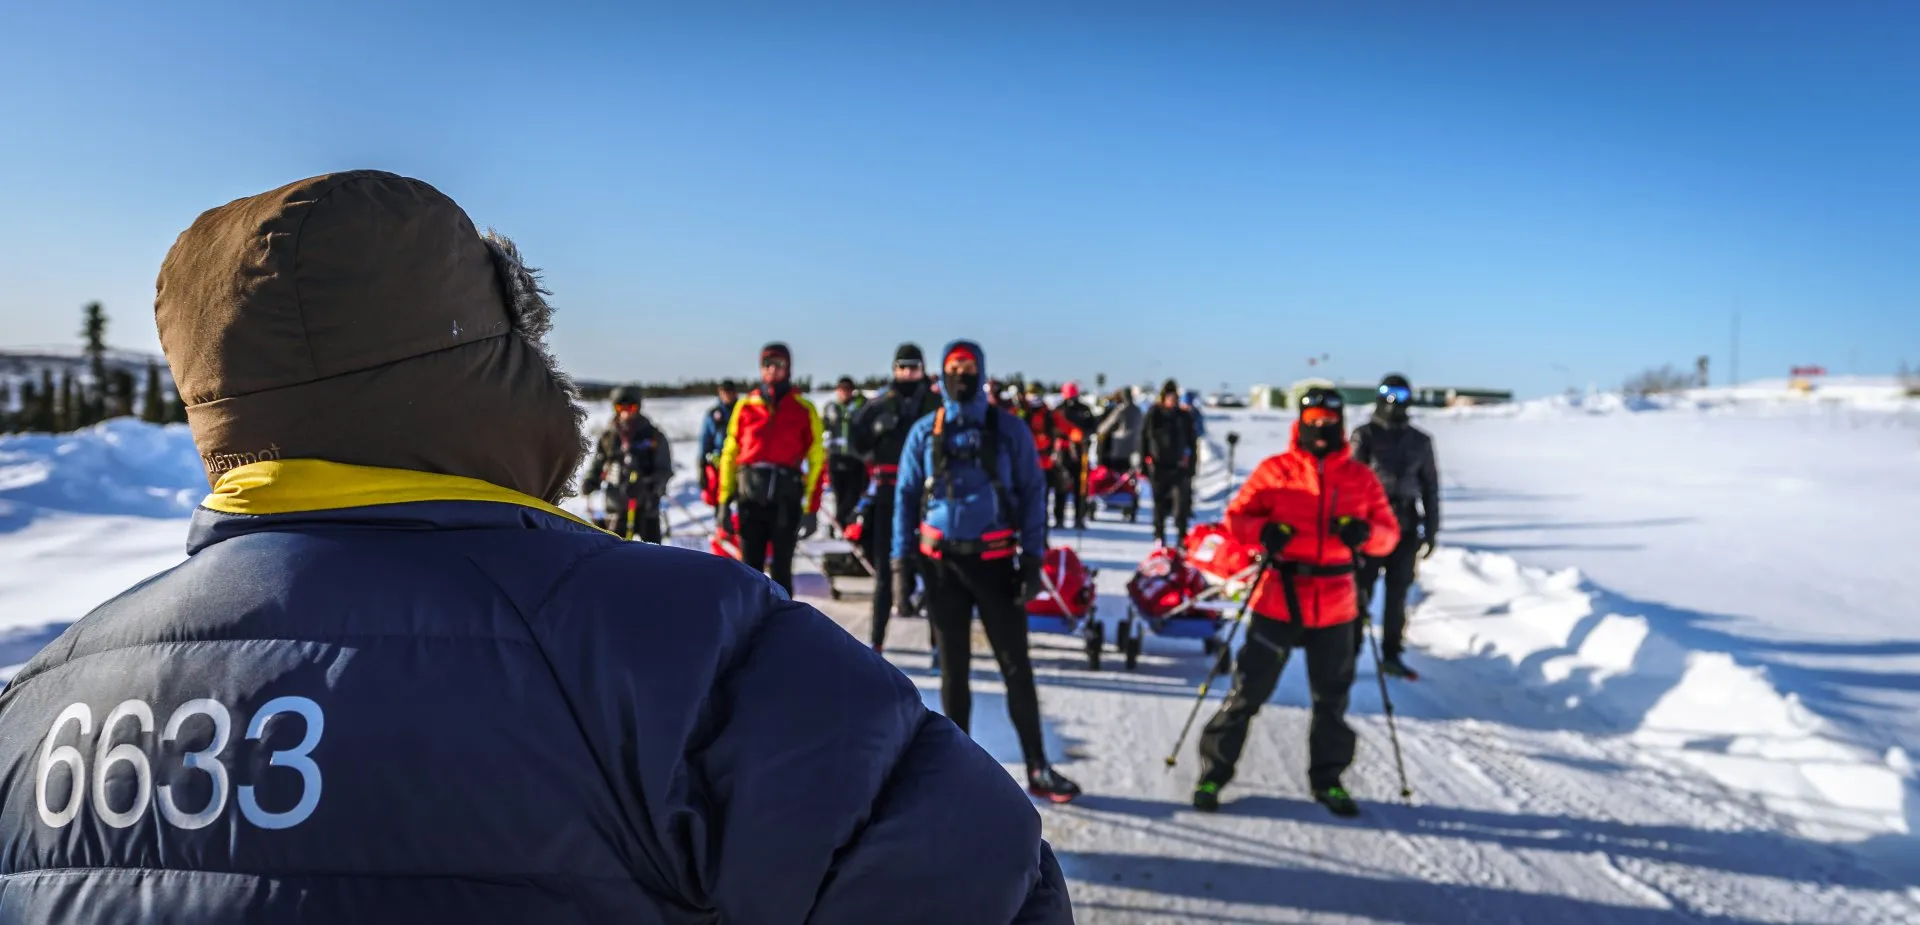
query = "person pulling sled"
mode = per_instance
[
  {"x": 1171, "y": 445},
  {"x": 971, "y": 510},
  {"x": 632, "y": 462},
  {"x": 1310, "y": 508}
]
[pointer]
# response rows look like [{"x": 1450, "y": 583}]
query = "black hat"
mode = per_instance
[
  {"x": 909, "y": 353},
  {"x": 776, "y": 349},
  {"x": 1169, "y": 387},
  {"x": 844, "y": 382},
  {"x": 626, "y": 395},
  {"x": 728, "y": 385}
]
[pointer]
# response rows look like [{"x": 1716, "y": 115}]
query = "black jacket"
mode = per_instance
[
  {"x": 880, "y": 427},
  {"x": 1079, "y": 415},
  {"x": 1402, "y": 456},
  {"x": 1167, "y": 437},
  {"x": 636, "y": 463}
]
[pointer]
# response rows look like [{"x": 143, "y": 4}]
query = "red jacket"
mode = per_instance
[
  {"x": 1050, "y": 430},
  {"x": 786, "y": 433},
  {"x": 1308, "y": 494}
]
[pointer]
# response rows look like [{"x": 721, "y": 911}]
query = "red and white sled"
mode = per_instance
[
  {"x": 1067, "y": 605},
  {"x": 1188, "y": 593}
]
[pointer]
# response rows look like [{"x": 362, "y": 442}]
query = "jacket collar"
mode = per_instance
[{"x": 289, "y": 493}]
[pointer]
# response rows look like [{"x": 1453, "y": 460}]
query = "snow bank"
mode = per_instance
[
  {"x": 1614, "y": 673},
  {"x": 123, "y": 466}
]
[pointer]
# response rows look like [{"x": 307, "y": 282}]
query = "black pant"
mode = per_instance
[
  {"x": 1172, "y": 497},
  {"x": 956, "y": 585},
  {"x": 847, "y": 476},
  {"x": 1399, "y": 568},
  {"x": 1067, "y": 484},
  {"x": 778, "y": 524},
  {"x": 646, "y": 521},
  {"x": 877, "y": 536},
  {"x": 1256, "y": 672}
]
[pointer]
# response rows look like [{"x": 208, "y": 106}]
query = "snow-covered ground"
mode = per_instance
[{"x": 1669, "y": 667}]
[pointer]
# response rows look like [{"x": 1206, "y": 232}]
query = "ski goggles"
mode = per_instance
[
  {"x": 1396, "y": 394},
  {"x": 626, "y": 406},
  {"x": 1316, "y": 416},
  {"x": 905, "y": 365}
]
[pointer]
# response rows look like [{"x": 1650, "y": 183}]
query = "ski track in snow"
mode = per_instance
[{"x": 1537, "y": 799}]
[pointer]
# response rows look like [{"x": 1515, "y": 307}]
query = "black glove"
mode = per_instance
[
  {"x": 809, "y": 522},
  {"x": 1352, "y": 531},
  {"x": 904, "y": 571},
  {"x": 1032, "y": 583},
  {"x": 590, "y": 484},
  {"x": 723, "y": 517},
  {"x": 1429, "y": 540},
  {"x": 1275, "y": 536}
]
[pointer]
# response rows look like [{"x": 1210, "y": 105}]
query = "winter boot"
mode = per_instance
[
  {"x": 1336, "y": 800},
  {"x": 1206, "y": 797},
  {"x": 1049, "y": 784},
  {"x": 1393, "y": 667}
]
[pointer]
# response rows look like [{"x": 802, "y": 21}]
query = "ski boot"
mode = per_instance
[
  {"x": 1337, "y": 801},
  {"x": 1051, "y": 785},
  {"x": 1393, "y": 667},
  {"x": 1206, "y": 797}
]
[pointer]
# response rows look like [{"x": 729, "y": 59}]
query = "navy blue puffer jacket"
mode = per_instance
[{"x": 379, "y": 696}]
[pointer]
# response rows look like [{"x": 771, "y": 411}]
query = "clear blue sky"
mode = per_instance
[{"x": 1505, "y": 194}]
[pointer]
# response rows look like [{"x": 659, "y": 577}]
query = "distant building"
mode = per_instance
[{"x": 1271, "y": 397}]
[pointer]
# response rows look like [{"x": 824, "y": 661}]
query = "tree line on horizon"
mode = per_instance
[{"x": 67, "y": 401}]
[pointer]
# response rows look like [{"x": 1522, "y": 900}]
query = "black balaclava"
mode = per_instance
[
  {"x": 1392, "y": 413},
  {"x": 961, "y": 388},
  {"x": 1325, "y": 438}
]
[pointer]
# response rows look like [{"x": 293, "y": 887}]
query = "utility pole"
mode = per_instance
[{"x": 1733, "y": 375}]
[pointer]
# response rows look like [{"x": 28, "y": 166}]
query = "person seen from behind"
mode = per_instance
[{"x": 394, "y": 683}]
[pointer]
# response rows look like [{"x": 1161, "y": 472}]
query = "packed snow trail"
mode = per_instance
[{"x": 1526, "y": 809}]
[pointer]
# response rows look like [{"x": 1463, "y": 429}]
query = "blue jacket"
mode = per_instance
[
  {"x": 378, "y": 696},
  {"x": 964, "y": 505},
  {"x": 713, "y": 430}
]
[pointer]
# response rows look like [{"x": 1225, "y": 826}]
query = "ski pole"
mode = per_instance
[
  {"x": 1386, "y": 701},
  {"x": 1233, "y": 443},
  {"x": 1213, "y": 665}
]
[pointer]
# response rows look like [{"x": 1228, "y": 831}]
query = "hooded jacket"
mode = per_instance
[
  {"x": 964, "y": 504},
  {"x": 420, "y": 693},
  {"x": 1309, "y": 493},
  {"x": 380, "y": 696}
]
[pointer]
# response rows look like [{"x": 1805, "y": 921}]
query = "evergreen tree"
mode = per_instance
[
  {"x": 122, "y": 394},
  {"x": 43, "y": 418},
  {"x": 93, "y": 329},
  {"x": 15, "y": 410},
  {"x": 68, "y": 417},
  {"x": 153, "y": 407}
]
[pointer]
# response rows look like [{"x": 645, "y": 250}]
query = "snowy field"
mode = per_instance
[{"x": 1670, "y": 656}]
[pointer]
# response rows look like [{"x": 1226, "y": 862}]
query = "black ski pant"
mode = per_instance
[
  {"x": 777, "y": 524},
  {"x": 877, "y": 536},
  {"x": 1065, "y": 476},
  {"x": 847, "y": 476},
  {"x": 1172, "y": 497},
  {"x": 1398, "y": 567},
  {"x": 956, "y": 587},
  {"x": 1256, "y": 672},
  {"x": 646, "y": 521}
]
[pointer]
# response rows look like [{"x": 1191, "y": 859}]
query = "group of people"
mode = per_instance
[{"x": 517, "y": 716}]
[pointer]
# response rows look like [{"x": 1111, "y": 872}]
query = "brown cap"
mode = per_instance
[{"x": 360, "y": 318}]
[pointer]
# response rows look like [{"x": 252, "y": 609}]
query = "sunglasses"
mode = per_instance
[
  {"x": 773, "y": 364},
  {"x": 1396, "y": 394},
  {"x": 908, "y": 364}
]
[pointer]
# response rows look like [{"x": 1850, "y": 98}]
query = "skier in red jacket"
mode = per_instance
[{"x": 1311, "y": 508}]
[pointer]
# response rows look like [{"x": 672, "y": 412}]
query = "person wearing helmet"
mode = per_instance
[
  {"x": 1171, "y": 447},
  {"x": 1402, "y": 457},
  {"x": 1076, "y": 457},
  {"x": 1315, "y": 511},
  {"x": 846, "y": 469},
  {"x": 633, "y": 462}
]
